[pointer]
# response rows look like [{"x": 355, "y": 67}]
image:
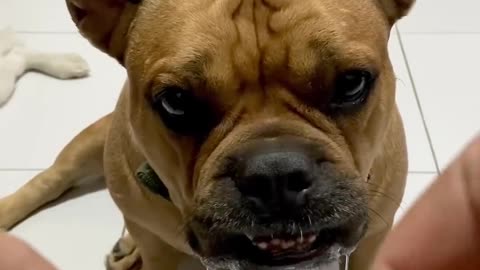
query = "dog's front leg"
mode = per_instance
[
  {"x": 80, "y": 160},
  {"x": 124, "y": 255},
  {"x": 155, "y": 253},
  {"x": 363, "y": 257}
]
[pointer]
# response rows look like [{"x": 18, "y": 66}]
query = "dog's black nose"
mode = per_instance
[{"x": 275, "y": 176}]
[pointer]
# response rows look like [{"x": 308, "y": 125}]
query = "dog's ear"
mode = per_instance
[
  {"x": 395, "y": 9},
  {"x": 104, "y": 23}
]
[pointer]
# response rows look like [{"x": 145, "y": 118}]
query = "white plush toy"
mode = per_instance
[{"x": 16, "y": 59}]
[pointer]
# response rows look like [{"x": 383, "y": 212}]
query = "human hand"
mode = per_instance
[
  {"x": 17, "y": 255},
  {"x": 442, "y": 230}
]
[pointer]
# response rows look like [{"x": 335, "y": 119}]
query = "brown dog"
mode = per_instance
[{"x": 272, "y": 125}]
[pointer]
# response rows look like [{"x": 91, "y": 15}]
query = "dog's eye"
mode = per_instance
[
  {"x": 174, "y": 102},
  {"x": 179, "y": 109},
  {"x": 352, "y": 88}
]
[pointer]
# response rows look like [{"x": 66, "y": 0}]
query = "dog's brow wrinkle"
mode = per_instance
[
  {"x": 275, "y": 4},
  {"x": 236, "y": 10},
  {"x": 196, "y": 67},
  {"x": 244, "y": 49}
]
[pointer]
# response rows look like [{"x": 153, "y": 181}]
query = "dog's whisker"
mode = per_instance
[
  {"x": 380, "y": 216},
  {"x": 380, "y": 193}
]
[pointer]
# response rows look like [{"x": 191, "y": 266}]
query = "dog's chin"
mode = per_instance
[
  {"x": 310, "y": 250},
  {"x": 231, "y": 264},
  {"x": 316, "y": 257}
]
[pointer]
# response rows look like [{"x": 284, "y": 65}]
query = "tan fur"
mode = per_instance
[
  {"x": 124, "y": 255},
  {"x": 283, "y": 44},
  {"x": 79, "y": 160}
]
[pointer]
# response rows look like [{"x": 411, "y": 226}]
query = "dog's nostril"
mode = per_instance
[
  {"x": 298, "y": 181},
  {"x": 257, "y": 186},
  {"x": 274, "y": 181}
]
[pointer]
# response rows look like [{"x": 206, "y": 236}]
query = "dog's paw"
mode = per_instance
[{"x": 124, "y": 255}]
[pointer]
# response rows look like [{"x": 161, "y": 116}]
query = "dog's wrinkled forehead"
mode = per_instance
[
  {"x": 111, "y": 24},
  {"x": 245, "y": 42}
]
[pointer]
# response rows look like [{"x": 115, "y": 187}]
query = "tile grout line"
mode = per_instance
[
  {"x": 422, "y": 172},
  {"x": 441, "y": 33},
  {"x": 417, "y": 98},
  {"x": 21, "y": 169},
  {"x": 46, "y": 32}
]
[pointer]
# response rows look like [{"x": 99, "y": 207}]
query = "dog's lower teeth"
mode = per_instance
[
  {"x": 262, "y": 245},
  {"x": 288, "y": 244},
  {"x": 274, "y": 245}
]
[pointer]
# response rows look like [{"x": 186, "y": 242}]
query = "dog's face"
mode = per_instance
[{"x": 263, "y": 118}]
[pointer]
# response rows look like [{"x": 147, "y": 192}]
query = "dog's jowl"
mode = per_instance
[{"x": 270, "y": 127}]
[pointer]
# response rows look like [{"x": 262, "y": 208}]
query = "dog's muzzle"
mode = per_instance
[{"x": 279, "y": 202}]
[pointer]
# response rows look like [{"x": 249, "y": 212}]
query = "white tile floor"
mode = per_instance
[{"x": 435, "y": 53}]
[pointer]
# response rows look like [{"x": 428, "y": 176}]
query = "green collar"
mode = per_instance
[{"x": 147, "y": 176}]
